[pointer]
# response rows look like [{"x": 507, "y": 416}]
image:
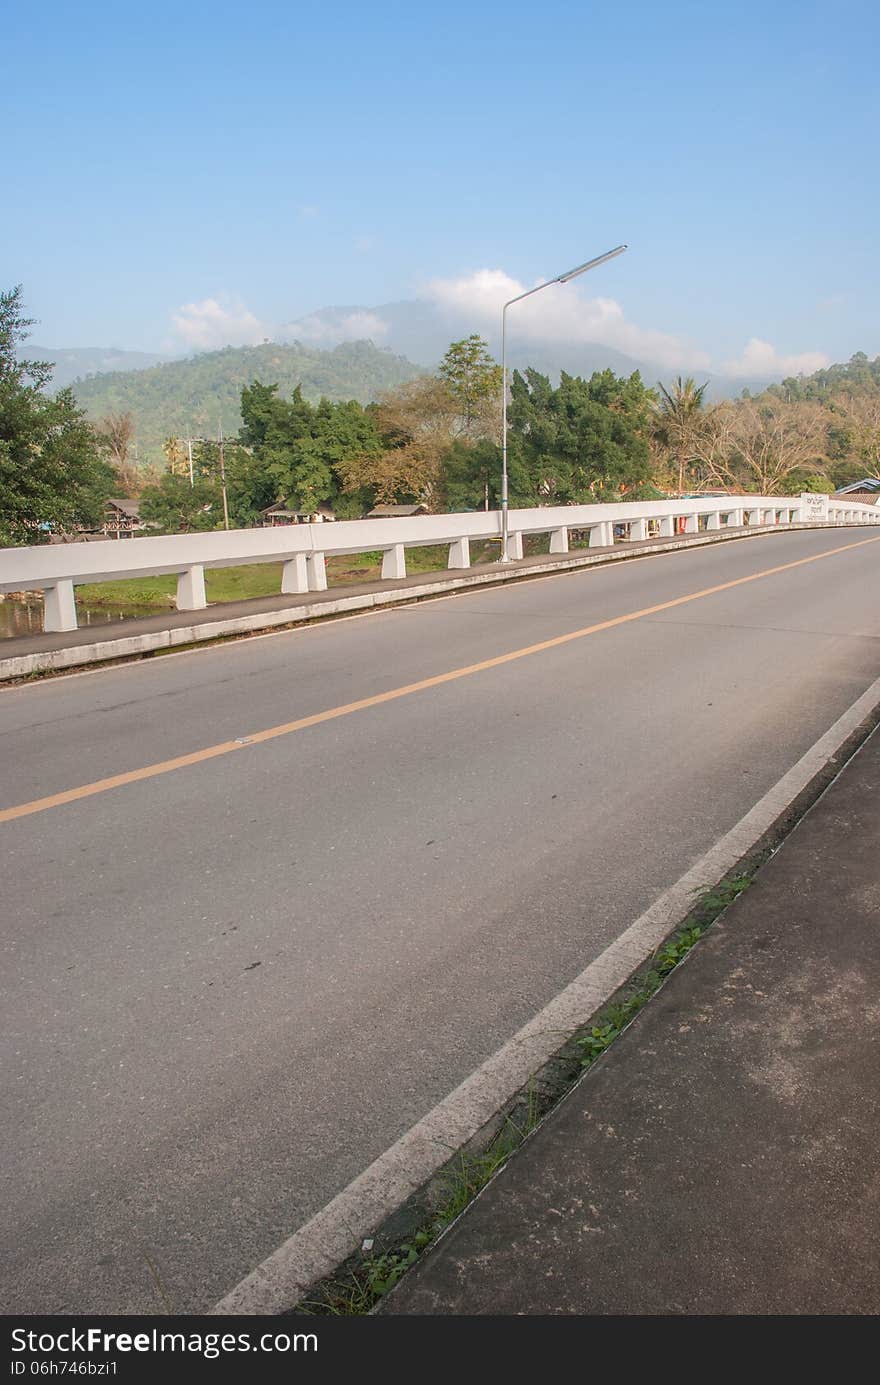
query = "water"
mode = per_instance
[{"x": 23, "y": 616}]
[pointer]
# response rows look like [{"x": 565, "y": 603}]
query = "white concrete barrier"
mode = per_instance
[{"x": 55, "y": 569}]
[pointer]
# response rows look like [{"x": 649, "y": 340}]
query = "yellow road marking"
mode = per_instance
[{"x": 211, "y": 752}]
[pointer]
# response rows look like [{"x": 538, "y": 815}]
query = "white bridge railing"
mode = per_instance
[{"x": 55, "y": 569}]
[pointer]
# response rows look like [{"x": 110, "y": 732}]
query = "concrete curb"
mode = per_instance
[
  {"x": 135, "y": 646},
  {"x": 333, "y": 1234}
]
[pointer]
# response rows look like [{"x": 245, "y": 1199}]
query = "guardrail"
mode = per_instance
[{"x": 55, "y": 569}]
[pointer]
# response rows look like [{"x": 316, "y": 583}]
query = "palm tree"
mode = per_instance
[{"x": 680, "y": 419}]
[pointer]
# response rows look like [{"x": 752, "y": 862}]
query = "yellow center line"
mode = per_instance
[{"x": 211, "y": 752}]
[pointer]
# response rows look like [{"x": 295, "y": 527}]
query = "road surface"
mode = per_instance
[{"x": 229, "y": 985}]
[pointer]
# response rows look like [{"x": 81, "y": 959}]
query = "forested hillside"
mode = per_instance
[
  {"x": 858, "y": 376},
  {"x": 190, "y": 398}
]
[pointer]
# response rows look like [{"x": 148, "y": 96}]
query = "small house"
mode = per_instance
[
  {"x": 283, "y": 512},
  {"x": 865, "y": 492},
  {"x": 397, "y": 511},
  {"x": 122, "y": 519}
]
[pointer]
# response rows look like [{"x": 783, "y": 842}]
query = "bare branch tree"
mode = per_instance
[
  {"x": 755, "y": 446},
  {"x": 115, "y": 433},
  {"x": 861, "y": 416},
  {"x": 418, "y": 422}
]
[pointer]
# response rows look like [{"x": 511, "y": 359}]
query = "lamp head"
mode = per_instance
[{"x": 590, "y": 264}]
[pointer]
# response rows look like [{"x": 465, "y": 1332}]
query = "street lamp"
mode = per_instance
[{"x": 560, "y": 279}]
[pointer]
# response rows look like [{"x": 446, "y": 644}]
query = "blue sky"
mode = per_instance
[{"x": 270, "y": 159}]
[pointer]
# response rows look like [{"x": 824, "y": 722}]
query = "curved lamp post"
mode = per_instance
[{"x": 560, "y": 279}]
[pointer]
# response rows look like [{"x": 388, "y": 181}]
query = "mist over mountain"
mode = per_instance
[
  {"x": 421, "y": 331},
  {"x": 74, "y": 362}
]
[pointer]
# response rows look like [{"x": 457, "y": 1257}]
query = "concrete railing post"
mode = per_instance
[
  {"x": 394, "y": 562},
  {"x": 638, "y": 529},
  {"x": 514, "y": 544},
  {"x": 559, "y": 540},
  {"x": 317, "y": 572},
  {"x": 295, "y": 575},
  {"x": 691, "y": 524},
  {"x": 667, "y": 526},
  {"x": 713, "y": 520},
  {"x": 460, "y": 552},
  {"x": 59, "y": 608},
  {"x": 191, "y": 589}
]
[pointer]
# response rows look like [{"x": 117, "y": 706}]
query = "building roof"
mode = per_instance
[
  {"x": 396, "y": 511},
  {"x": 131, "y": 508},
  {"x": 284, "y": 507},
  {"x": 869, "y": 485}
]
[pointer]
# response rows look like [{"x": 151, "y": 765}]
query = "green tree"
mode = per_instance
[
  {"x": 473, "y": 379},
  {"x": 304, "y": 448},
  {"x": 679, "y": 421},
  {"x": 799, "y": 480},
  {"x": 249, "y": 487},
  {"x": 52, "y": 475},
  {"x": 585, "y": 440},
  {"x": 471, "y": 475},
  {"x": 176, "y": 507}
]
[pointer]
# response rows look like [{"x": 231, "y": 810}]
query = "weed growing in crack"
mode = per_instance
[{"x": 615, "y": 1017}]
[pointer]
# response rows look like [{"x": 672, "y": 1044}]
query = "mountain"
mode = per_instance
[
  {"x": 343, "y": 352},
  {"x": 190, "y": 398},
  {"x": 73, "y": 362}
]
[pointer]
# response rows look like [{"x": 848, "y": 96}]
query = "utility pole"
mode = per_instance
[
  {"x": 189, "y": 453},
  {"x": 223, "y": 478}
]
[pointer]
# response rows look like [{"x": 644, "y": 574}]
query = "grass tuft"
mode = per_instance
[{"x": 615, "y": 1017}]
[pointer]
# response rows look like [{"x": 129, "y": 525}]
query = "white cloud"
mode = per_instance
[
  {"x": 212, "y": 323},
  {"x": 216, "y": 322},
  {"x": 561, "y": 313},
  {"x": 331, "y": 330},
  {"x": 760, "y": 358}
]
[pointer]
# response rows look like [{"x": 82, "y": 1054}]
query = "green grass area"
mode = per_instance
[
  {"x": 263, "y": 579},
  {"x": 137, "y": 591},
  {"x": 221, "y": 584}
]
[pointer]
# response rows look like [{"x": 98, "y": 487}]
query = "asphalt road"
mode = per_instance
[{"x": 229, "y": 987}]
